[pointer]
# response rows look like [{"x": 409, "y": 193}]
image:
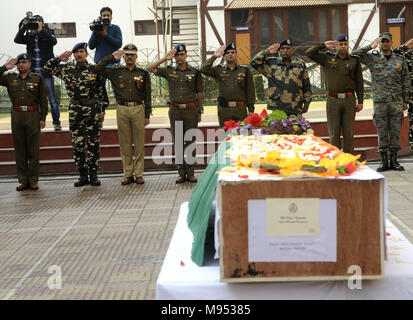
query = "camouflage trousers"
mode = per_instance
[
  {"x": 410, "y": 118},
  {"x": 84, "y": 129},
  {"x": 388, "y": 118}
]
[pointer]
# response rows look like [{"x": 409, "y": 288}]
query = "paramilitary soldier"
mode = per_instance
[
  {"x": 132, "y": 86},
  {"x": 88, "y": 100},
  {"x": 288, "y": 81},
  {"x": 235, "y": 85},
  {"x": 391, "y": 86},
  {"x": 343, "y": 76},
  {"x": 407, "y": 51},
  {"x": 28, "y": 96},
  {"x": 185, "y": 94}
]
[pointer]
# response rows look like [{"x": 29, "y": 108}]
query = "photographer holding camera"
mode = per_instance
[
  {"x": 106, "y": 37},
  {"x": 39, "y": 41}
]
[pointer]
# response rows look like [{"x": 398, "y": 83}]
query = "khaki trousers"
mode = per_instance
[
  {"x": 341, "y": 115},
  {"x": 231, "y": 113},
  {"x": 131, "y": 129}
]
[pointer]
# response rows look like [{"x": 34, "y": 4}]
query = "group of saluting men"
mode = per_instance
[{"x": 288, "y": 85}]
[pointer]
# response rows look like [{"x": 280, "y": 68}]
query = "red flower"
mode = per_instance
[
  {"x": 264, "y": 114},
  {"x": 255, "y": 120},
  {"x": 231, "y": 124}
]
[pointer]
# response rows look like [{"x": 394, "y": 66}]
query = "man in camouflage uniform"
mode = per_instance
[
  {"x": 132, "y": 86},
  {"x": 88, "y": 100},
  {"x": 391, "y": 86},
  {"x": 27, "y": 93},
  {"x": 407, "y": 51},
  {"x": 185, "y": 93},
  {"x": 288, "y": 81},
  {"x": 235, "y": 85},
  {"x": 343, "y": 77}
]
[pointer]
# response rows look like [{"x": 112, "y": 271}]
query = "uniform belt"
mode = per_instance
[
  {"x": 341, "y": 95},
  {"x": 233, "y": 104},
  {"x": 184, "y": 105},
  {"x": 25, "y": 108},
  {"x": 130, "y": 103},
  {"x": 86, "y": 102}
]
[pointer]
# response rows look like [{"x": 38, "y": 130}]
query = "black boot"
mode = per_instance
[
  {"x": 83, "y": 179},
  {"x": 94, "y": 181},
  {"x": 384, "y": 165},
  {"x": 394, "y": 165}
]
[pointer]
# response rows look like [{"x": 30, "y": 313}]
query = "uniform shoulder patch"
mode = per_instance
[{"x": 331, "y": 52}]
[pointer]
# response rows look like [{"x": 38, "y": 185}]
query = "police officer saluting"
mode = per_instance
[
  {"x": 343, "y": 76},
  {"x": 289, "y": 85},
  {"x": 88, "y": 100},
  {"x": 235, "y": 85},
  {"x": 132, "y": 86},
  {"x": 185, "y": 94},
  {"x": 28, "y": 96},
  {"x": 391, "y": 86}
]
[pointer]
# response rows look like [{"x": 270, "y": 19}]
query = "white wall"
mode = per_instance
[{"x": 357, "y": 15}]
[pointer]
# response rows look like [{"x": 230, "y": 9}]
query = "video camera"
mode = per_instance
[
  {"x": 98, "y": 24},
  {"x": 32, "y": 25}
]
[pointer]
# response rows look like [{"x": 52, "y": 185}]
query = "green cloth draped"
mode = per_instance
[{"x": 201, "y": 202}]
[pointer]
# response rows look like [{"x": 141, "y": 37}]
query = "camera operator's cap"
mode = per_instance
[
  {"x": 23, "y": 56},
  {"x": 180, "y": 47},
  {"x": 386, "y": 35},
  {"x": 130, "y": 48},
  {"x": 287, "y": 42},
  {"x": 230, "y": 46},
  {"x": 342, "y": 37},
  {"x": 81, "y": 45},
  {"x": 38, "y": 18}
]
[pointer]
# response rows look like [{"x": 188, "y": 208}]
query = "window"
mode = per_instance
[
  {"x": 265, "y": 28},
  {"x": 336, "y": 22},
  {"x": 242, "y": 18},
  {"x": 148, "y": 27},
  {"x": 63, "y": 30},
  {"x": 323, "y": 26},
  {"x": 300, "y": 25},
  {"x": 395, "y": 11},
  {"x": 279, "y": 26}
]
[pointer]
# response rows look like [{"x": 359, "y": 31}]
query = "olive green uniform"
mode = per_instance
[
  {"x": 343, "y": 77},
  {"x": 235, "y": 88},
  {"x": 184, "y": 86},
  {"x": 133, "y": 94},
  {"x": 25, "y": 125}
]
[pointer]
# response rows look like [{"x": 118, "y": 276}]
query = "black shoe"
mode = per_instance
[
  {"x": 394, "y": 165},
  {"x": 57, "y": 127},
  {"x": 384, "y": 165},
  {"x": 93, "y": 178},
  {"x": 82, "y": 181}
]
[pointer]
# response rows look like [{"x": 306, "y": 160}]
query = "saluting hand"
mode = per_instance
[
  {"x": 332, "y": 44},
  {"x": 219, "y": 52},
  {"x": 409, "y": 44},
  {"x": 170, "y": 54},
  {"x": 65, "y": 56},
  {"x": 274, "y": 48},
  {"x": 11, "y": 63},
  {"x": 119, "y": 54},
  {"x": 375, "y": 43}
]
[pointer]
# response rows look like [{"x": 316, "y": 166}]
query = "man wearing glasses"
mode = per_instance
[{"x": 185, "y": 93}]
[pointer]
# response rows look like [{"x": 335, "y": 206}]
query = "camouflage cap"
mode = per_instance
[{"x": 386, "y": 35}]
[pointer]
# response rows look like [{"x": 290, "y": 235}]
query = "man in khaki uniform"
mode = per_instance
[
  {"x": 28, "y": 96},
  {"x": 132, "y": 86},
  {"x": 235, "y": 85},
  {"x": 343, "y": 76},
  {"x": 185, "y": 93}
]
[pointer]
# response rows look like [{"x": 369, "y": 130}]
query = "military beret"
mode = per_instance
[
  {"x": 287, "y": 42},
  {"x": 180, "y": 47},
  {"x": 386, "y": 35},
  {"x": 81, "y": 45},
  {"x": 230, "y": 46},
  {"x": 130, "y": 48},
  {"x": 23, "y": 56},
  {"x": 342, "y": 37}
]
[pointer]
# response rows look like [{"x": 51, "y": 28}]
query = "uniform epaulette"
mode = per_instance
[
  {"x": 13, "y": 73},
  {"x": 244, "y": 65},
  {"x": 376, "y": 52},
  {"x": 331, "y": 52},
  {"x": 143, "y": 70}
]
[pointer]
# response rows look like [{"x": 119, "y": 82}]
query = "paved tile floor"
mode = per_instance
[{"x": 109, "y": 242}]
